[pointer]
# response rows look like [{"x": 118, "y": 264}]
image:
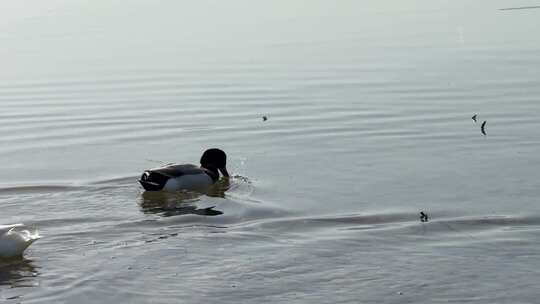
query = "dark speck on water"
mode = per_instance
[{"x": 423, "y": 216}]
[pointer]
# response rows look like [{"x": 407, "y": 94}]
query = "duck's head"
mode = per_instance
[{"x": 215, "y": 159}]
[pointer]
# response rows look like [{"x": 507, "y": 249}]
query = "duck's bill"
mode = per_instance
[{"x": 224, "y": 172}]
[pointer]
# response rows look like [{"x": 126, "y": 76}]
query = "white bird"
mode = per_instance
[{"x": 14, "y": 239}]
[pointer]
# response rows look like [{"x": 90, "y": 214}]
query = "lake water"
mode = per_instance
[{"x": 369, "y": 107}]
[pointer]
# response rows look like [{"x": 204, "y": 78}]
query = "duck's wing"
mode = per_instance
[
  {"x": 6, "y": 228},
  {"x": 177, "y": 170}
]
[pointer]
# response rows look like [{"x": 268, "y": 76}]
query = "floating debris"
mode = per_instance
[
  {"x": 474, "y": 117},
  {"x": 483, "y": 128},
  {"x": 265, "y": 118},
  {"x": 423, "y": 217}
]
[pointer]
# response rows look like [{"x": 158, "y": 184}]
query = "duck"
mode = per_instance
[
  {"x": 187, "y": 177},
  {"x": 15, "y": 238}
]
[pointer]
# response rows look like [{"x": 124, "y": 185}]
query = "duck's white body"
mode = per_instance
[
  {"x": 173, "y": 178},
  {"x": 192, "y": 182},
  {"x": 187, "y": 177},
  {"x": 14, "y": 239}
]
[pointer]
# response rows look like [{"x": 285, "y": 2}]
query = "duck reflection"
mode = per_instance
[
  {"x": 181, "y": 203},
  {"x": 17, "y": 272}
]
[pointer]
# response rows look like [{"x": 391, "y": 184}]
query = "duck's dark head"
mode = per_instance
[{"x": 215, "y": 159}]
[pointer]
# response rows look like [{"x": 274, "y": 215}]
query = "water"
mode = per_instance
[{"x": 369, "y": 108}]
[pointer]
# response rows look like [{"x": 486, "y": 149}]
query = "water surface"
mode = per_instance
[{"x": 369, "y": 108}]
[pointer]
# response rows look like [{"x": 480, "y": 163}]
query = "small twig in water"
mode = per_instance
[
  {"x": 155, "y": 161},
  {"x": 519, "y": 8}
]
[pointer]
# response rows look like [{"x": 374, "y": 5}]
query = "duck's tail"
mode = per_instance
[{"x": 152, "y": 181}]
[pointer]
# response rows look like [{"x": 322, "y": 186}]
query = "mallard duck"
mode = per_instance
[
  {"x": 14, "y": 239},
  {"x": 187, "y": 176}
]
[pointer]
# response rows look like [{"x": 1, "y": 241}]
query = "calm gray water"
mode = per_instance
[{"x": 369, "y": 107}]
